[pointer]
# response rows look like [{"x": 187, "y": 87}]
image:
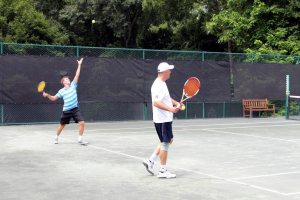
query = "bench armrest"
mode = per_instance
[{"x": 271, "y": 106}]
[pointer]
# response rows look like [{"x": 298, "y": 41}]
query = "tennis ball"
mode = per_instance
[
  {"x": 182, "y": 107},
  {"x": 93, "y": 21}
]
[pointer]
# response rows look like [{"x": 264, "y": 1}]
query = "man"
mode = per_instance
[
  {"x": 163, "y": 109},
  {"x": 70, "y": 109}
]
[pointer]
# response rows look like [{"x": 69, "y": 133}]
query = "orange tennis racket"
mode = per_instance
[{"x": 191, "y": 88}]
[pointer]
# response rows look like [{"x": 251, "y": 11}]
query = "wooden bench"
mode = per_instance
[{"x": 251, "y": 105}]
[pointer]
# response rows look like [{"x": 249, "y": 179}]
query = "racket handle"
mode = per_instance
[{"x": 178, "y": 106}]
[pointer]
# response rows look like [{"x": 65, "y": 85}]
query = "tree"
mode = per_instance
[
  {"x": 116, "y": 22},
  {"x": 50, "y": 8},
  {"x": 176, "y": 25},
  {"x": 270, "y": 27},
  {"x": 21, "y": 23}
]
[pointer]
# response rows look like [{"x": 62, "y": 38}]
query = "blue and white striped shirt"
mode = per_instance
[{"x": 69, "y": 96}]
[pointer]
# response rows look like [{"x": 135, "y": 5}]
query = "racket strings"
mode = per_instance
[
  {"x": 41, "y": 86},
  {"x": 191, "y": 87}
]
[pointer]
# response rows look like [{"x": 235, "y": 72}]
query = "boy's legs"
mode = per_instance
[
  {"x": 79, "y": 119},
  {"x": 81, "y": 130},
  {"x": 59, "y": 130},
  {"x": 65, "y": 119}
]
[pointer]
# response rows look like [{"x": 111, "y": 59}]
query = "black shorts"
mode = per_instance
[
  {"x": 73, "y": 113},
  {"x": 164, "y": 131}
]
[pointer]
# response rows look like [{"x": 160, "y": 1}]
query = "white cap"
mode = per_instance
[{"x": 164, "y": 67}]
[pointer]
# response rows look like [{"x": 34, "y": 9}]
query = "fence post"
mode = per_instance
[
  {"x": 224, "y": 109},
  {"x": 186, "y": 109},
  {"x": 145, "y": 113},
  {"x": 1, "y": 106},
  {"x": 203, "y": 110},
  {"x": 2, "y": 113},
  {"x": 287, "y": 94},
  {"x": 77, "y": 51},
  {"x": 1, "y": 48},
  {"x": 203, "y": 56},
  {"x": 143, "y": 54}
]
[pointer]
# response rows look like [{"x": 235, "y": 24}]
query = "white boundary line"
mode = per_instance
[
  {"x": 186, "y": 129},
  {"x": 266, "y": 175},
  {"x": 232, "y": 181},
  {"x": 192, "y": 125},
  {"x": 187, "y": 170},
  {"x": 235, "y": 127},
  {"x": 254, "y": 136},
  {"x": 292, "y": 193}
]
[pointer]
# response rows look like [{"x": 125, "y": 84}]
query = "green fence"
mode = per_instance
[
  {"x": 56, "y": 50},
  {"x": 99, "y": 111}
]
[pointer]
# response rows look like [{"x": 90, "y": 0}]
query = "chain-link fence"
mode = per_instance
[
  {"x": 78, "y": 51},
  {"x": 16, "y": 113}
]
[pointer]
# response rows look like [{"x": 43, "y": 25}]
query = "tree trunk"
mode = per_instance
[{"x": 131, "y": 26}]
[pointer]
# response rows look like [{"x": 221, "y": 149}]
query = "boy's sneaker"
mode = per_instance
[
  {"x": 81, "y": 142},
  {"x": 166, "y": 174},
  {"x": 149, "y": 166}
]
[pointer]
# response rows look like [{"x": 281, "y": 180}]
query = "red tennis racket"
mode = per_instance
[{"x": 191, "y": 88}]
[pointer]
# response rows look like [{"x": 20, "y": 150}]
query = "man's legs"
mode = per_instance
[
  {"x": 155, "y": 154},
  {"x": 164, "y": 132},
  {"x": 163, "y": 172},
  {"x": 167, "y": 139},
  {"x": 163, "y": 156},
  {"x": 163, "y": 153},
  {"x": 149, "y": 163}
]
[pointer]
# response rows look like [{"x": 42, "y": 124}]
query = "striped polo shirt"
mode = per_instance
[{"x": 69, "y": 95}]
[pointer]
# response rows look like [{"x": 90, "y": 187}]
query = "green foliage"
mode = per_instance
[
  {"x": 21, "y": 23},
  {"x": 176, "y": 25},
  {"x": 256, "y": 27},
  {"x": 259, "y": 27},
  {"x": 294, "y": 108},
  {"x": 116, "y": 22}
]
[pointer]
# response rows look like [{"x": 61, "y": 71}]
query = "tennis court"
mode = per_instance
[{"x": 232, "y": 158}]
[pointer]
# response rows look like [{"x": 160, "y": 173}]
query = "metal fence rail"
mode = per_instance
[{"x": 77, "y": 51}]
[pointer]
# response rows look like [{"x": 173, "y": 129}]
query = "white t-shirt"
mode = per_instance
[{"x": 160, "y": 92}]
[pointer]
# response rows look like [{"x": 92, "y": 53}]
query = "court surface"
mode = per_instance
[{"x": 234, "y": 159}]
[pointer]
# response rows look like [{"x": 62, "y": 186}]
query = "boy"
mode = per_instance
[{"x": 70, "y": 109}]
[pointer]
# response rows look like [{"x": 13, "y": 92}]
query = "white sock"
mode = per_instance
[
  {"x": 56, "y": 136},
  {"x": 153, "y": 157},
  {"x": 163, "y": 168},
  {"x": 79, "y": 138}
]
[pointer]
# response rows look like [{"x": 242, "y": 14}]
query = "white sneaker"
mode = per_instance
[
  {"x": 81, "y": 142},
  {"x": 149, "y": 166},
  {"x": 166, "y": 174},
  {"x": 56, "y": 141}
]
